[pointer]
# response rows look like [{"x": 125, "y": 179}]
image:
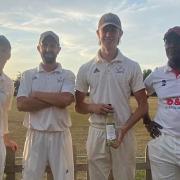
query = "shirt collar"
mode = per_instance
[
  {"x": 118, "y": 58},
  {"x": 167, "y": 69},
  {"x": 57, "y": 70}
]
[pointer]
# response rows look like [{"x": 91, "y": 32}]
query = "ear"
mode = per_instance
[
  {"x": 97, "y": 32},
  {"x": 59, "y": 49},
  {"x": 121, "y": 33},
  {"x": 38, "y": 48}
]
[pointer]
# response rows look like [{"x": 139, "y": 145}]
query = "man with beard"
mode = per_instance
[
  {"x": 164, "y": 149},
  {"x": 111, "y": 77},
  {"x": 44, "y": 93}
]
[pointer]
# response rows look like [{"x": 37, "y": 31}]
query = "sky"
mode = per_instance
[{"x": 144, "y": 24}]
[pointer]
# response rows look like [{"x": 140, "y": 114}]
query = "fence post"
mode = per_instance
[
  {"x": 75, "y": 161},
  {"x": 148, "y": 169},
  {"x": 10, "y": 165}
]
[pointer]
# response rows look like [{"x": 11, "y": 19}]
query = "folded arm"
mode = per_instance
[
  {"x": 30, "y": 104},
  {"x": 61, "y": 100}
]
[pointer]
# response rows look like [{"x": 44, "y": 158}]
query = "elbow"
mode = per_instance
[
  {"x": 70, "y": 100},
  {"x": 20, "y": 107},
  {"x": 77, "y": 109},
  {"x": 20, "y": 104}
]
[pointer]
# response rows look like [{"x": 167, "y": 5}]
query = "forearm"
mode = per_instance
[
  {"x": 136, "y": 116},
  {"x": 146, "y": 118},
  {"x": 61, "y": 100},
  {"x": 6, "y": 138},
  {"x": 84, "y": 108},
  {"x": 29, "y": 104}
]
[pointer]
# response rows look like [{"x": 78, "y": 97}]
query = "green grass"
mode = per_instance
[{"x": 79, "y": 130}]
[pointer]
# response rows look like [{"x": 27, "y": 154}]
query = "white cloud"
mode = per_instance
[{"x": 144, "y": 22}]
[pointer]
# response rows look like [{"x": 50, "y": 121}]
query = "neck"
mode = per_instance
[
  {"x": 175, "y": 66},
  {"x": 49, "y": 67},
  {"x": 108, "y": 55}
]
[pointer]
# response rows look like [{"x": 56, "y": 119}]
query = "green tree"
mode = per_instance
[
  {"x": 17, "y": 83},
  {"x": 146, "y": 72}
]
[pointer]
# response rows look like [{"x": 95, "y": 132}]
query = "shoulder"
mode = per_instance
[
  {"x": 30, "y": 71},
  {"x": 130, "y": 62},
  {"x": 7, "y": 78},
  {"x": 159, "y": 71},
  {"x": 8, "y": 81},
  {"x": 68, "y": 73},
  {"x": 29, "y": 74},
  {"x": 87, "y": 66}
]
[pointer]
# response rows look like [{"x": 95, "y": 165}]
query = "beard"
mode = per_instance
[
  {"x": 49, "y": 57},
  {"x": 174, "y": 63}
]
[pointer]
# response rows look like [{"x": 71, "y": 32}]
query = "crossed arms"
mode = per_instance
[{"x": 41, "y": 100}]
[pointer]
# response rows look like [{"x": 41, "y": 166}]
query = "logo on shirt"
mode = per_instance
[
  {"x": 119, "y": 70},
  {"x": 96, "y": 70},
  {"x": 35, "y": 77},
  {"x": 173, "y": 101},
  {"x": 163, "y": 82}
]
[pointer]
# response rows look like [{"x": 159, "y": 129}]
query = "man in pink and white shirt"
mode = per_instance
[{"x": 164, "y": 149}]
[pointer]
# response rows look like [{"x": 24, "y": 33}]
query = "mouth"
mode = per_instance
[{"x": 48, "y": 55}]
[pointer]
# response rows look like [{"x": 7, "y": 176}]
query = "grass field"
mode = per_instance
[{"x": 79, "y": 130}]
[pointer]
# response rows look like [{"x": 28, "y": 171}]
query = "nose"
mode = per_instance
[
  {"x": 108, "y": 34},
  {"x": 48, "y": 48}
]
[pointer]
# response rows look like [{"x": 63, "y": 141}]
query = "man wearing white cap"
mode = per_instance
[
  {"x": 111, "y": 77},
  {"x": 44, "y": 93},
  {"x": 6, "y": 95},
  {"x": 164, "y": 149}
]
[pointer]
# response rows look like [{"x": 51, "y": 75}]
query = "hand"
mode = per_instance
[
  {"x": 11, "y": 144},
  {"x": 101, "y": 108},
  {"x": 121, "y": 134},
  {"x": 154, "y": 129}
]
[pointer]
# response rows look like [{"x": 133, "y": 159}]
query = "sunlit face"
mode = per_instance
[
  {"x": 5, "y": 54},
  {"x": 49, "y": 49},
  {"x": 109, "y": 36},
  {"x": 172, "y": 46}
]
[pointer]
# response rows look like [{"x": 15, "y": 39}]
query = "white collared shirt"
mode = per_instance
[
  {"x": 6, "y": 95},
  {"x": 110, "y": 83},
  {"x": 167, "y": 87},
  {"x": 59, "y": 80}
]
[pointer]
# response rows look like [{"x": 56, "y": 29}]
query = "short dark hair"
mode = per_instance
[{"x": 4, "y": 42}]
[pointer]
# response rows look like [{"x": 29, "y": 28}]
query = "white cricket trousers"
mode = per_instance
[
  {"x": 164, "y": 155},
  {"x": 101, "y": 158},
  {"x": 2, "y": 157},
  {"x": 48, "y": 148}
]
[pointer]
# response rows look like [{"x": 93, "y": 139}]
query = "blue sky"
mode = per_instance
[{"x": 144, "y": 23}]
